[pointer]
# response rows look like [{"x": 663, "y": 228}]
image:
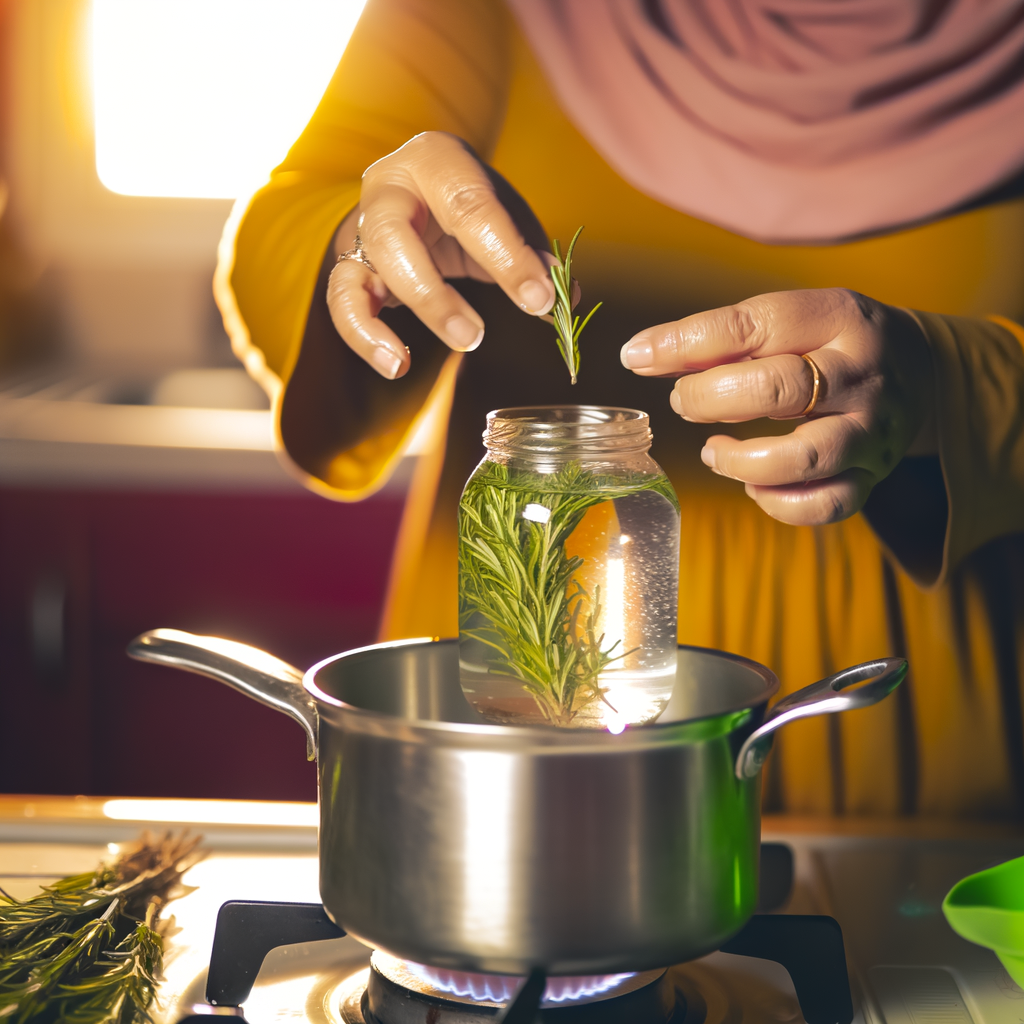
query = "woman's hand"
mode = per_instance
[
  {"x": 743, "y": 362},
  {"x": 430, "y": 211}
]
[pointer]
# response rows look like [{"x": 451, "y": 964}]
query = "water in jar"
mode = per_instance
[{"x": 623, "y": 598}]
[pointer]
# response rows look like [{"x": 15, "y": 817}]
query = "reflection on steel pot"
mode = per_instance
[{"x": 452, "y": 842}]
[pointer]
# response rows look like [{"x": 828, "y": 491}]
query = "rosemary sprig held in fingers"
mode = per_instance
[{"x": 568, "y": 327}]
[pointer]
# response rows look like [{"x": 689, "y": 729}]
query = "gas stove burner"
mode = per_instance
[
  {"x": 396, "y": 991},
  {"x": 392, "y": 991},
  {"x": 500, "y": 988}
]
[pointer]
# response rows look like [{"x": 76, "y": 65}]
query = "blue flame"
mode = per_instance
[{"x": 500, "y": 988}]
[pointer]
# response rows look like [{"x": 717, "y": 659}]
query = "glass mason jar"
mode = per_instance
[{"x": 568, "y": 571}]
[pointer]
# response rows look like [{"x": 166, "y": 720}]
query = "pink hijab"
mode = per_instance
[{"x": 793, "y": 120}]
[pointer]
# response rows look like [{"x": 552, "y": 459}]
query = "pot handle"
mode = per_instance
[
  {"x": 254, "y": 672},
  {"x": 877, "y": 680}
]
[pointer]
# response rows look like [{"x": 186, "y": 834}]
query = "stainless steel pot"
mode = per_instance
[{"x": 452, "y": 842}]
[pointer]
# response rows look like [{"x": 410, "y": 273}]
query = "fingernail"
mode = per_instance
[
  {"x": 707, "y": 456},
  {"x": 675, "y": 401},
  {"x": 465, "y": 334},
  {"x": 537, "y": 297},
  {"x": 386, "y": 362},
  {"x": 637, "y": 354}
]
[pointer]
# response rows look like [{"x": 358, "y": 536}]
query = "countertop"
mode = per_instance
[
  {"x": 199, "y": 428},
  {"x": 244, "y": 823},
  {"x": 883, "y": 880}
]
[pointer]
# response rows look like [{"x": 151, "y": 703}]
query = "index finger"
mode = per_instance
[
  {"x": 776, "y": 323},
  {"x": 466, "y": 205}
]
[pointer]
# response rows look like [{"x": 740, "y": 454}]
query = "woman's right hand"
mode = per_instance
[{"x": 430, "y": 211}]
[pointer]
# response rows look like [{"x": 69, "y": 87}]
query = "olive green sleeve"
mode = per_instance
[{"x": 411, "y": 66}]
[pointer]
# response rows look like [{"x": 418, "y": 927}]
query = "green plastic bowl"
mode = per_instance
[{"x": 988, "y": 908}]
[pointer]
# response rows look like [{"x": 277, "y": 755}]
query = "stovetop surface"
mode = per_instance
[{"x": 906, "y": 965}]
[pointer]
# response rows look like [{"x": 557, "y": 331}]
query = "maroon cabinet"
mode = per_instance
[{"x": 83, "y": 572}]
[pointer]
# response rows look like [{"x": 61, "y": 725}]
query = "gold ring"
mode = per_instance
[
  {"x": 816, "y": 388},
  {"x": 357, "y": 253}
]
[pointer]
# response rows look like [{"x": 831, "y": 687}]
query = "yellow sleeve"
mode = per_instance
[
  {"x": 411, "y": 66},
  {"x": 979, "y": 402}
]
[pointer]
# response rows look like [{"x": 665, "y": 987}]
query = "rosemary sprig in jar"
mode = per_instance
[
  {"x": 568, "y": 327},
  {"x": 88, "y": 949},
  {"x": 517, "y": 591}
]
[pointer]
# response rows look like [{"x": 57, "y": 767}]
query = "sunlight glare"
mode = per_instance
[
  {"x": 202, "y": 98},
  {"x": 213, "y": 812}
]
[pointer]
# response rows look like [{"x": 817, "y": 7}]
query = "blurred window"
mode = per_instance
[{"x": 201, "y": 98}]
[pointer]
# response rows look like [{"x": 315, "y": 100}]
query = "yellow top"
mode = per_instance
[{"x": 806, "y": 601}]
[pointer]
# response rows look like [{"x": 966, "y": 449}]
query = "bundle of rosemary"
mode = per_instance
[
  {"x": 88, "y": 949},
  {"x": 518, "y": 591}
]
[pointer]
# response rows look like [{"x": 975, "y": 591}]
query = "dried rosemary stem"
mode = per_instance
[{"x": 88, "y": 949}]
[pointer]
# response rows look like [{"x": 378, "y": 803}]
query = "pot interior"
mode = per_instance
[{"x": 420, "y": 682}]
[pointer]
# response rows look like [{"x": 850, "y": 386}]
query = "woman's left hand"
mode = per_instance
[{"x": 743, "y": 362}]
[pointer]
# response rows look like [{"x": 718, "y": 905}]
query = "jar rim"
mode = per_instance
[
  {"x": 581, "y": 415},
  {"x": 568, "y": 429}
]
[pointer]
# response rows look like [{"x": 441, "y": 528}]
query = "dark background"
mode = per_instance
[{"x": 299, "y": 576}]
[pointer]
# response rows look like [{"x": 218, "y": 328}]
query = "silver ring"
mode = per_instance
[{"x": 358, "y": 253}]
